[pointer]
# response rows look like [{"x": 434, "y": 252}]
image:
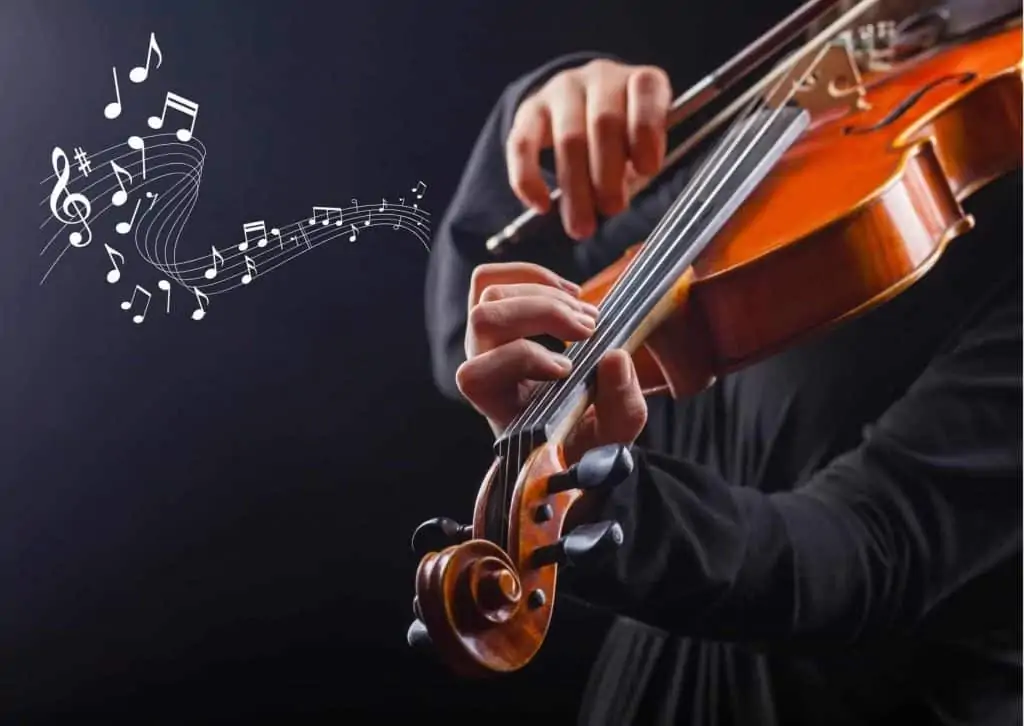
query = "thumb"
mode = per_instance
[
  {"x": 619, "y": 412},
  {"x": 619, "y": 406}
]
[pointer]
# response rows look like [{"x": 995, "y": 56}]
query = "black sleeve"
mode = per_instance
[
  {"x": 930, "y": 500},
  {"x": 484, "y": 203}
]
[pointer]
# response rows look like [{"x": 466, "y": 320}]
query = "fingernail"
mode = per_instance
[
  {"x": 563, "y": 362},
  {"x": 587, "y": 321},
  {"x": 591, "y": 310},
  {"x": 570, "y": 287}
]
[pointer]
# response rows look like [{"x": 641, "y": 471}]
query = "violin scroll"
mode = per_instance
[{"x": 485, "y": 609}]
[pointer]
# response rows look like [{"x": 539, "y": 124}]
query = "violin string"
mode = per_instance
[
  {"x": 514, "y": 442},
  {"x": 640, "y": 263},
  {"x": 634, "y": 269},
  {"x": 541, "y": 405},
  {"x": 554, "y": 392}
]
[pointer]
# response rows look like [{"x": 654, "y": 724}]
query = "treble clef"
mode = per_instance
[{"x": 75, "y": 207}]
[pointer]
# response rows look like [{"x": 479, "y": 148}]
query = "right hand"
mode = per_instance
[
  {"x": 510, "y": 302},
  {"x": 607, "y": 124}
]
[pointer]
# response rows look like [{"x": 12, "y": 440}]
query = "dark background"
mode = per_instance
[{"x": 209, "y": 521}]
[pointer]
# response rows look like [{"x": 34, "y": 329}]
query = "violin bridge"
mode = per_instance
[{"x": 823, "y": 81}]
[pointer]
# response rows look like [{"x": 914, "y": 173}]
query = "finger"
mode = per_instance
[
  {"x": 531, "y": 132},
  {"x": 501, "y": 273},
  {"x": 649, "y": 95},
  {"x": 619, "y": 405},
  {"x": 569, "y": 134},
  {"x": 607, "y": 142},
  {"x": 492, "y": 324},
  {"x": 493, "y": 381},
  {"x": 619, "y": 412},
  {"x": 494, "y": 293}
]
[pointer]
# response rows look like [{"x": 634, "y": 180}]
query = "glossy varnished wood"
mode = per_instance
[{"x": 845, "y": 222}]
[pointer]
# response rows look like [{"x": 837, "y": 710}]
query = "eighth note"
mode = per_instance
[
  {"x": 178, "y": 103},
  {"x": 327, "y": 212},
  {"x": 126, "y": 227},
  {"x": 249, "y": 229},
  {"x": 127, "y": 304},
  {"x": 115, "y": 274},
  {"x": 200, "y": 312},
  {"x": 355, "y": 233},
  {"x": 113, "y": 109},
  {"x": 250, "y": 271},
  {"x": 212, "y": 272},
  {"x": 121, "y": 195},
  {"x": 139, "y": 74}
]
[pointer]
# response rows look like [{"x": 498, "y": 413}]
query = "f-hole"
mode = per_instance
[{"x": 909, "y": 102}]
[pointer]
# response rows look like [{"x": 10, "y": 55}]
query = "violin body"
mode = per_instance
[
  {"x": 857, "y": 210},
  {"x": 846, "y": 221}
]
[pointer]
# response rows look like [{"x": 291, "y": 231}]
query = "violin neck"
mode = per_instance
[{"x": 638, "y": 301}]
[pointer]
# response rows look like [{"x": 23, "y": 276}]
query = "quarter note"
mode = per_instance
[
  {"x": 128, "y": 304},
  {"x": 177, "y": 103},
  {"x": 369, "y": 216},
  {"x": 420, "y": 189},
  {"x": 113, "y": 109},
  {"x": 275, "y": 232},
  {"x": 212, "y": 272},
  {"x": 139, "y": 74},
  {"x": 383, "y": 205},
  {"x": 250, "y": 271},
  {"x": 121, "y": 195},
  {"x": 166, "y": 287},
  {"x": 126, "y": 227},
  {"x": 136, "y": 142},
  {"x": 253, "y": 231},
  {"x": 200, "y": 312},
  {"x": 115, "y": 274},
  {"x": 327, "y": 212}
]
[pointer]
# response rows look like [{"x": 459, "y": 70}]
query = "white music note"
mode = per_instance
[
  {"x": 178, "y": 103},
  {"x": 127, "y": 304},
  {"x": 420, "y": 189},
  {"x": 166, "y": 287},
  {"x": 212, "y": 272},
  {"x": 121, "y": 195},
  {"x": 126, "y": 227},
  {"x": 138, "y": 144},
  {"x": 383, "y": 204},
  {"x": 253, "y": 230},
  {"x": 275, "y": 232},
  {"x": 327, "y": 212},
  {"x": 355, "y": 233},
  {"x": 151, "y": 195},
  {"x": 250, "y": 271},
  {"x": 139, "y": 74},
  {"x": 369, "y": 216},
  {"x": 200, "y": 312},
  {"x": 115, "y": 274},
  {"x": 113, "y": 109}
]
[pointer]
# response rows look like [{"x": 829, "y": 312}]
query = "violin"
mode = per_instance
[{"x": 836, "y": 186}]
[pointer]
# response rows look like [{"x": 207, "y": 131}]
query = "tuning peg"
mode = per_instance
[
  {"x": 438, "y": 533},
  {"x": 602, "y": 467},
  {"x": 418, "y": 637},
  {"x": 585, "y": 545}
]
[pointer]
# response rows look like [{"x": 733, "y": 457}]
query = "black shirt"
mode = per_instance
[{"x": 831, "y": 536}]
